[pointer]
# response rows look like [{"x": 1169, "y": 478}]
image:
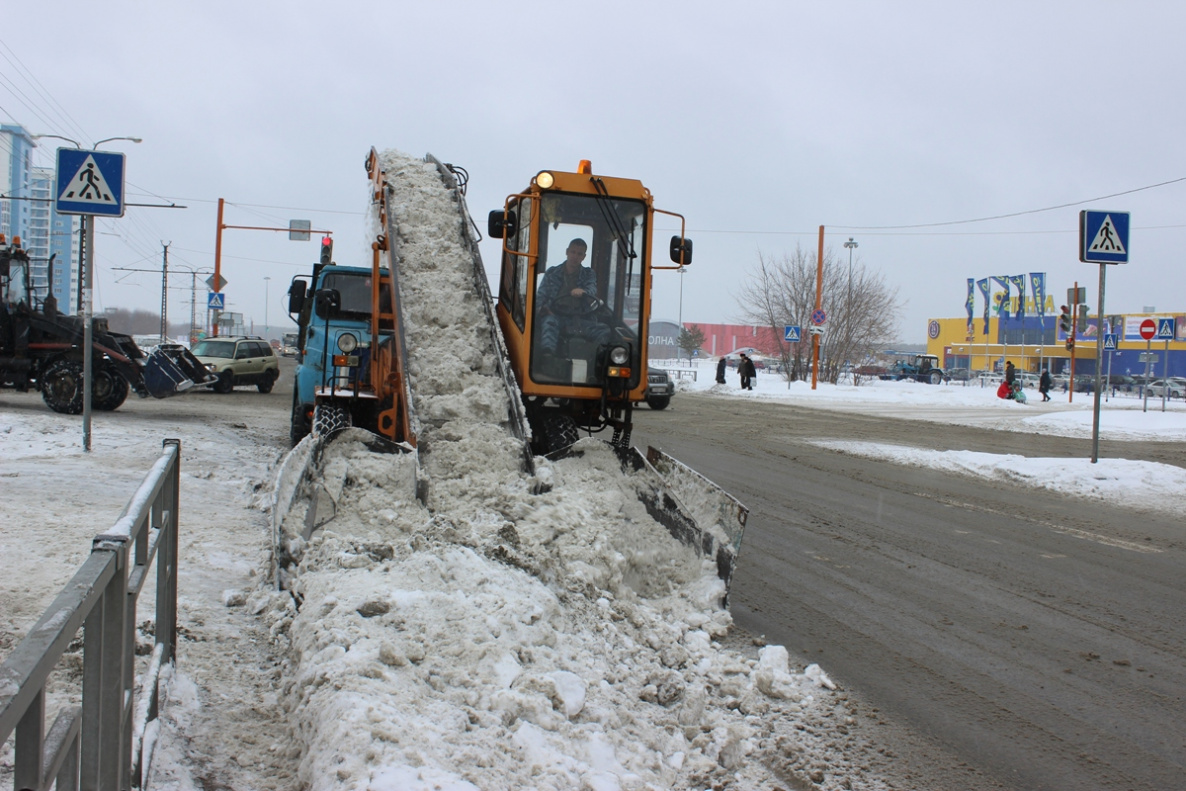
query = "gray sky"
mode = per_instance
[{"x": 757, "y": 121}]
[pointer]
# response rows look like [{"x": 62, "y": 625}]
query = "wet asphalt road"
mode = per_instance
[{"x": 1038, "y": 640}]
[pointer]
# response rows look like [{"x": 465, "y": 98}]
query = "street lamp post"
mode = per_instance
[
  {"x": 88, "y": 331},
  {"x": 267, "y": 280},
  {"x": 850, "y": 245}
]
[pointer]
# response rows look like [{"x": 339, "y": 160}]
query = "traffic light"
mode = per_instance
[
  {"x": 1070, "y": 343},
  {"x": 327, "y": 251},
  {"x": 1082, "y": 316},
  {"x": 1064, "y": 320}
]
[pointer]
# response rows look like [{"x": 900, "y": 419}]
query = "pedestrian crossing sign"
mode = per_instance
[
  {"x": 1103, "y": 237},
  {"x": 89, "y": 182},
  {"x": 790, "y": 333},
  {"x": 1165, "y": 329},
  {"x": 215, "y": 300}
]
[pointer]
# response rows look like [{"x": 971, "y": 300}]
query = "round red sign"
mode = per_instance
[{"x": 1148, "y": 329}]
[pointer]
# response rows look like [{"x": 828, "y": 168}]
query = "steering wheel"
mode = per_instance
[{"x": 584, "y": 305}]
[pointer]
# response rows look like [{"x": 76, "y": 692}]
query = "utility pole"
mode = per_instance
[
  {"x": 193, "y": 307},
  {"x": 165, "y": 292}
]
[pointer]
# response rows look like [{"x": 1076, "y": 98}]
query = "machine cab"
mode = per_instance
[{"x": 574, "y": 290}]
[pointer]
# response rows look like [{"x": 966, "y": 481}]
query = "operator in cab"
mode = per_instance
[{"x": 567, "y": 299}]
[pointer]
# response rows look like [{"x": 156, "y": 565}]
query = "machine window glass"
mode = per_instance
[
  {"x": 15, "y": 293},
  {"x": 576, "y": 330},
  {"x": 523, "y": 244},
  {"x": 355, "y": 290},
  {"x": 222, "y": 349}
]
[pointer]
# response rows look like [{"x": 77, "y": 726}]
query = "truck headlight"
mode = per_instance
[
  {"x": 347, "y": 342},
  {"x": 618, "y": 355}
]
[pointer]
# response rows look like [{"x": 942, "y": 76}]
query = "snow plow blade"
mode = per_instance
[
  {"x": 696, "y": 511},
  {"x": 171, "y": 369}
]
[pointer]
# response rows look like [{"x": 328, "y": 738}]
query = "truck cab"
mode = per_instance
[
  {"x": 574, "y": 299},
  {"x": 333, "y": 311}
]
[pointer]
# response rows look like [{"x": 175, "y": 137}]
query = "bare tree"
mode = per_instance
[{"x": 862, "y": 312}]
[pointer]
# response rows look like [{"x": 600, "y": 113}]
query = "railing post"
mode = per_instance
[{"x": 30, "y": 743}]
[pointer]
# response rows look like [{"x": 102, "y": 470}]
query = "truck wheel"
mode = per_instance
[
  {"x": 557, "y": 432},
  {"x": 109, "y": 390},
  {"x": 266, "y": 384},
  {"x": 328, "y": 419},
  {"x": 300, "y": 425},
  {"x": 225, "y": 383},
  {"x": 936, "y": 377},
  {"x": 61, "y": 386},
  {"x": 658, "y": 402}
]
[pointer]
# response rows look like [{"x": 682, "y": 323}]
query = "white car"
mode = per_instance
[{"x": 1171, "y": 388}]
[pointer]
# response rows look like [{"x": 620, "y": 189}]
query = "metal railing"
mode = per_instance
[{"x": 100, "y": 745}]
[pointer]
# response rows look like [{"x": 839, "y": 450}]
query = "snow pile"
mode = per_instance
[
  {"x": 568, "y": 646},
  {"x": 1156, "y": 486}
]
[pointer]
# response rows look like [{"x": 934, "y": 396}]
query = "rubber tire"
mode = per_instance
[
  {"x": 299, "y": 428},
  {"x": 225, "y": 383},
  {"x": 61, "y": 386},
  {"x": 328, "y": 419},
  {"x": 109, "y": 389},
  {"x": 268, "y": 382},
  {"x": 935, "y": 378},
  {"x": 658, "y": 402},
  {"x": 558, "y": 432}
]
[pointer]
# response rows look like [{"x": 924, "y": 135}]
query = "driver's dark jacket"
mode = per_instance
[{"x": 556, "y": 284}]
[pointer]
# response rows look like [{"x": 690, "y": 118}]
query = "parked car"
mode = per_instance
[
  {"x": 1171, "y": 388},
  {"x": 958, "y": 374},
  {"x": 1122, "y": 383},
  {"x": 1028, "y": 379},
  {"x": 660, "y": 388},
  {"x": 239, "y": 360}
]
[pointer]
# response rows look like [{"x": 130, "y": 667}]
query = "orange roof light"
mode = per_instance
[{"x": 585, "y": 168}]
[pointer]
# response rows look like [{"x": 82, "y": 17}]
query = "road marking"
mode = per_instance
[{"x": 1119, "y": 543}]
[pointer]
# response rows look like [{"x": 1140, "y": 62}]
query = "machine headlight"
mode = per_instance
[
  {"x": 618, "y": 355},
  {"x": 545, "y": 180},
  {"x": 347, "y": 342}
]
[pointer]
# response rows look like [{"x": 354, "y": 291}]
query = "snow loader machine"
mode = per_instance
[
  {"x": 578, "y": 364},
  {"x": 42, "y": 348}
]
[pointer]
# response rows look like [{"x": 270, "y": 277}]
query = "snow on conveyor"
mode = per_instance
[{"x": 498, "y": 639}]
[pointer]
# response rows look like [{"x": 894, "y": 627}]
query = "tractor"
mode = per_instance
[{"x": 574, "y": 300}]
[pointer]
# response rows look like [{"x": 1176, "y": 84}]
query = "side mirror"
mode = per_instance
[
  {"x": 328, "y": 300},
  {"x": 296, "y": 296},
  {"x": 681, "y": 250},
  {"x": 494, "y": 224},
  {"x": 501, "y": 224}
]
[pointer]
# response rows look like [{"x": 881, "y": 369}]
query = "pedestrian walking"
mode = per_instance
[
  {"x": 721, "y": 370},
  {"x": 1045, "y": 382},
  {"x": 748, "y": 372}
]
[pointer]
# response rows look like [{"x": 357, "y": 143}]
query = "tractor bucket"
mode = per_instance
[
  {"x": 694, "y": 510},
  {"x": 171, "y": 369}
]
